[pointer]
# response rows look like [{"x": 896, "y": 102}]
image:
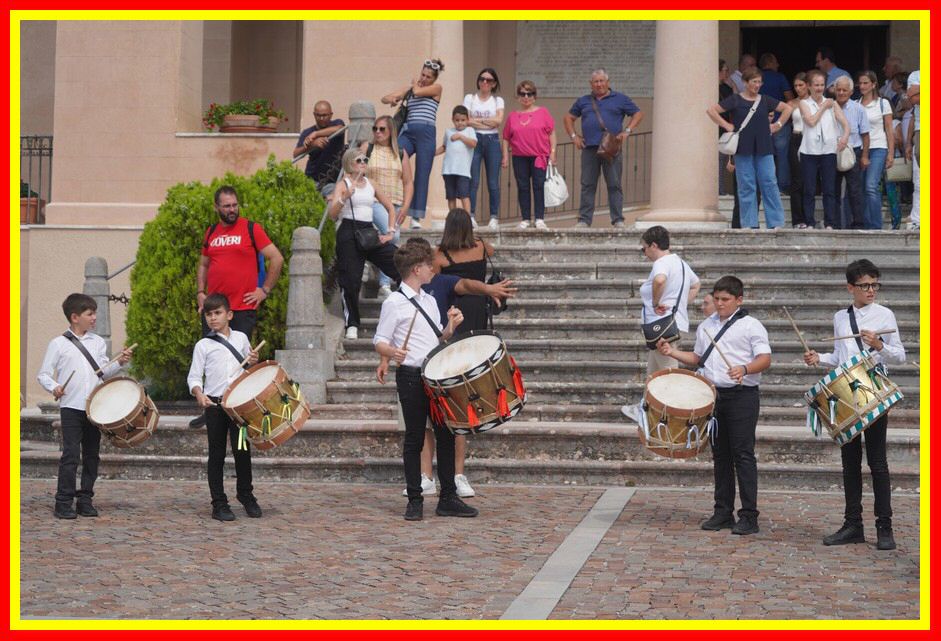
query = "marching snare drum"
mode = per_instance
[
  {"x": 850, "y": 398},
  {"x": 123, "y": 411},
  {"x": 473, "y": 383},
  {"x": 267, "y": 403},
  {"x": 676, "y": 418}
]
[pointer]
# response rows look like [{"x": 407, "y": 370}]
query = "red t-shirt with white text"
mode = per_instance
[{"x": 233, "y": 267}]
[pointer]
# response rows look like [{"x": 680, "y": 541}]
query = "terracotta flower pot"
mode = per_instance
[
  {"x": 32, "y": 210},
  {"x": 247, "y": 123}
]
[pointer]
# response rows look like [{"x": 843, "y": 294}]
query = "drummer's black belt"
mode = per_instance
[
  {"x": 215, "y": 399},
  {"x": 409, "y": 369}
]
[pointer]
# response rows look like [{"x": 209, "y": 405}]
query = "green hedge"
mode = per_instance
[{"x": 161, "y": 316}]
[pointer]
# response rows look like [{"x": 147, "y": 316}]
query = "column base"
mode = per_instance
[
  {"x": 683, "y": 218},
  {"x": 312, "y": 368}
]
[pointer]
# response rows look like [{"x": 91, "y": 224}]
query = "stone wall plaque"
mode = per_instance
[{"x": 559, "y": 56}]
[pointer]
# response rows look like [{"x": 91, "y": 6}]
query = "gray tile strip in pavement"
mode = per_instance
[{"x": 545, "y": 590}]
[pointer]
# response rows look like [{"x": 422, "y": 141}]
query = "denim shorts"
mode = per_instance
[{"x": 456, "y": 186}]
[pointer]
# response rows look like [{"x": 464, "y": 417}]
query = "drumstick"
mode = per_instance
[
  {"x": 257, "y": 347},
  {"x": 408, "y": 334},
  {"x": 65, "y": 384},
  {"x": 131, "y": 348},
  {"x": 796, "y": 331},
  {"x": 716, "y": 345},
  {"x": 840, "y": 338}
]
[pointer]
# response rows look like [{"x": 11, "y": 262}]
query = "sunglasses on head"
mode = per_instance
[
  {"x": 526, "y": 94},
  {"x": 379, "y": 128},
  {"x": 431, "y": 64}
]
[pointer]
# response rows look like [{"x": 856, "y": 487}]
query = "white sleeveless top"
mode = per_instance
[
  {"x": 359, "y": 207},
  {"x": 822, "y": 138},
  {"x": 797, "y": 120}
]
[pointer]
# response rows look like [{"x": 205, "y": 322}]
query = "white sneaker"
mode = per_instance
[
  {"x": 473, "y": 222},
  {"x": 494, "y": 223},
  {"x": 524, "y": 224},
  {"x": 632, "y": 412},
  {"x": 416, "y": 224},
  {"x": 464, "y": 490},
  {"x": 352, "y": 333},
  {"x": 384, "y": 292},
  {"x": 582, "y": 225},
  {"x": 427, "y": 487},
  {"x": 541, "y": 224}
]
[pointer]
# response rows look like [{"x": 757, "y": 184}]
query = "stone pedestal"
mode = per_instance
[
  {"x": 96, "y": 285},
  {"x": 306, "y": 357},
  {"x": 684, "y": 191}
]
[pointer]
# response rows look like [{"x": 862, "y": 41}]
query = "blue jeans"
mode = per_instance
[
  {"x": 418, "y": 139},
  {"x": 754, "y": 173},
  {"x": 488, "y": 152},
  {"x": 872, "y": 187},
  {"x": 380, "y": 218},
  {"x": 526, "y": 172},
  {"x": 825, "y": 165},
  {"x": 781, "y": 141}
]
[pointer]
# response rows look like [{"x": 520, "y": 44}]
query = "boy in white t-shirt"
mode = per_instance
[{"x": 458, "y": 149}]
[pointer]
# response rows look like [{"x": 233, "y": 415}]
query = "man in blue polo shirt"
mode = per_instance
[
  {"x": 775, "y": 84},
  {"x": 324, "y": 152},
  {"x": 612, "y": 106}
]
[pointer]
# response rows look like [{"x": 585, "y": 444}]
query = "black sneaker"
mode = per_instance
[
  {"x": 718, "y": 522},
  {"x": 453, "y": 506},
  {"x": 222, "y": 513},
  {"x": 415, "y": 510},
  {"x": 252, "y": 509},
  {"x": 884, "y": 538},
  {"x": 846, "y": 534},
  {"x": 86, "y": 509},
  {"x": 746, "y": 525},
  {"x": 64, "y": 511},
  {"x": 198, "y": 422}
]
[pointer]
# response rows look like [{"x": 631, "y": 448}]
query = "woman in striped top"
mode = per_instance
[{"x": 418, "y": 136}]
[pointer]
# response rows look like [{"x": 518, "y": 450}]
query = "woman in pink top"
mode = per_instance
[{"x": 529, "y": 134}]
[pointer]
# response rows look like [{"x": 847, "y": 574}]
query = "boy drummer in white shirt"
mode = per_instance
[
  {"x": 744, "y": 342},
  {"x": 68, "y": 374},
  {"x": 413, "y": 260},
  {"x": 862, "y": 282},
  {"x": 214, "y": 360}
]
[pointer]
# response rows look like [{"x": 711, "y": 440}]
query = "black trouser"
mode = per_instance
[
  {"x": 733, "y": 454},
  {"x": 414, "y": 401},
  {"x": 79, "y": 438},
  {"x": 243, "y": 320},
  {"x": 855, "y": 218},
  {"x": 219, "y": 428},
  {"x": 350, "y": 262},
  {"x": 852, "y": 455},
  {"x": 796, "y": 188}
]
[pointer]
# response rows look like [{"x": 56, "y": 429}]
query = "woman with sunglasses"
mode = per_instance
[
  {"x": 352, "y": 202},
  {"x": 418, "y": 137},
  {"x": 529, "y": 134},
  {"x": 486, "y": 116},
  {"x": 391, "y": 173}
]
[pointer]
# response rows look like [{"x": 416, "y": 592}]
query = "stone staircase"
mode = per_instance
[{"x": 574, "y": 330}]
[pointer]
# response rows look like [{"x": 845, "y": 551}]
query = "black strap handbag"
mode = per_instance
[
  {"x": 665, "y": 327},
  {"x": 366, "y": 238}
]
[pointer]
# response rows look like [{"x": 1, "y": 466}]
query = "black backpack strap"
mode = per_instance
[
  {"x": 431, "y": 323},
  {"x": 855, "y": 327},
  {"x": 251, "y": 234},
  {"x": 209, "y": 231},
  {"x": 222, "y": 341},
  {"x": 737, "y": 315},
  {"x": 91, "y": 361}
]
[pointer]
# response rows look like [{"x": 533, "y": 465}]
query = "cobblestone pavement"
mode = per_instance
[{"x": 343, "y": 551}]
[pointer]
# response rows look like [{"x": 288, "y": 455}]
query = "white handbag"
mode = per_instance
[
  {"x": 728, "y": 142},
  {"x": 899, "y": 172},
  {"x": 555, "y": 190},
  {"x": 845, "y": 159}
]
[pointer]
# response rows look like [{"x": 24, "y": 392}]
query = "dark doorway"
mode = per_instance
[{"x": 856, "y": 47}]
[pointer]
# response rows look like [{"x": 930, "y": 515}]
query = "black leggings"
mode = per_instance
[{"x": 350, "y": 262}]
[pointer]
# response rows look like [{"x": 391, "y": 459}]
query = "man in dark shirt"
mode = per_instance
[
  {"x": 323, "y": 153},
  {"x": 775, "y": 84}
]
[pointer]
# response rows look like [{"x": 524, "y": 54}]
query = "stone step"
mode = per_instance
[
  {"x": 589, "y": 371},
  {"x": 581, "y": 392},
  {"x": 661, "y": 472},
  {"x": 518, "y": 440}
]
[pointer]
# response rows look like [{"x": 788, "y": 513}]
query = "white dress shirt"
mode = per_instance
[
  {"x": 872, "y": 317},
  {"x": 746, "y": 339},
  {"x": 395, "y": 318},
  {"x": 216, "y": 363},
  {"x": 62, "y": 358}
]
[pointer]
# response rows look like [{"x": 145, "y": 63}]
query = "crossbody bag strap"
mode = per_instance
[
  {"x": 91, "y": 360},
  {"x": 594, "y": 104},
  {"x": 741, "y": 313},
  {"x": 431, "y": 323},
  {"x": 855, "y": 327},
  {"x": 751, "y": 112},
  {"x": 222, "y": 341}
]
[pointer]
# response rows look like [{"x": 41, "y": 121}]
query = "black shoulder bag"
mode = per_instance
[
  {"x": 496, "y": 276},
  {"x": 665, "y": 327},
  {"x": 366, "y": 238},
  {"x": 401, "y": 114}
]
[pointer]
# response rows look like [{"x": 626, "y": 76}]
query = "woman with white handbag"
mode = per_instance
[
  {"x": 749, "y": 139},
  {"x": 819, "y": 148},
  {"x": 881, "y": 146}
]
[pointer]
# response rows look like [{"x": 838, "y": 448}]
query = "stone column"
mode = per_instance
[
  {"x": 447, "y": 43},
  {"x": 306, "y": 358},
  {"x": 96, "y": 286},
  {"x": 684, "y": 193}
]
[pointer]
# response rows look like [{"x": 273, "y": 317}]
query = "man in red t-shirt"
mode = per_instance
[{"x": 229, "y": 265}]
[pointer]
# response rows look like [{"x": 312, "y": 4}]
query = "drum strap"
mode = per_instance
[
  {"x": 222, "y": 341},
  {"x": 737, "y": 315},
  {"x": 91, "y": 361},
  {"x": 855, "y": 327},
  {"x": 414, "y": 302}
]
